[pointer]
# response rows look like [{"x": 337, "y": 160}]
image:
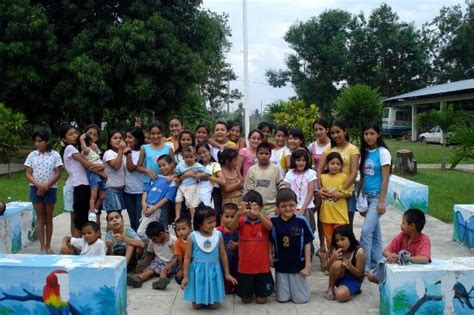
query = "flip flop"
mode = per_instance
[{"x": 134, "y": 280}]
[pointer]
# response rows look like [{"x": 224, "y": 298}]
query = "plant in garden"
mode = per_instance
[
  {"x": 464, "y": 136},
  {"x": 12, "y": 125},
  {"x": 296, "y": 114}
]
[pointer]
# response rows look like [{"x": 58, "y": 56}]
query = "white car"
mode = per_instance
[{"x": 434, "y": 136}]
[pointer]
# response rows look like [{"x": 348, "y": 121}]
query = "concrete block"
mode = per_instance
[
  {"x": 17, "y": 227},
  {"x": 53, "y": 284},
  {"x": 441, "y": 287},
  {"x": 463, "y": 225},
  {"x": 404, "y": 194}
]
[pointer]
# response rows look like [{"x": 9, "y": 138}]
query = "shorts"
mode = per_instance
[
  {"x": 95, "y": 180},
  {"x": 291, "y": 287},
  {"x": 190, "y": 195},
  {"x": 113, "y": 199},
  {"x": 259, "y": 284},
  {"x": 328, "y": 230},
  {"x": 82, "y": 194},
  {"x": 48, "y": 198},
  {"x": 157, "y": 266},
  {"x": 351, "y": 282}
]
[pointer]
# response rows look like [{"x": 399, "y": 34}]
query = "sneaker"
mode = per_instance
[
  {"x": 92, "y": 217},
  {"x": 134, "y": 280},
  {"x": 160, "y": 284}
]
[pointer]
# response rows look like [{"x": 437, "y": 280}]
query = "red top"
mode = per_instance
[
  {"x": 421, "y": 246},
  {"x": 254, "y": 247}
]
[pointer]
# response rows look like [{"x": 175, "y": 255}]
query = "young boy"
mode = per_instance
[
  {"x": 292, "y": 237},
  {"x": 89, "y": 244},
  {"x": 160, "y": 260},
  {"x": 231, "y": 241},
  {"x": 265, "y": 178},
  {"x": 410, "y": 239},
  {"x": 254, "y": 276},
  {"x": 183, "y": 229}
]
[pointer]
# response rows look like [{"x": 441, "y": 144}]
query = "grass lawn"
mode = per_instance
[
  {"x": 424, "y": 153},
  {"x": 15, "y": 188},
  {"x": 446, "y": 188}
]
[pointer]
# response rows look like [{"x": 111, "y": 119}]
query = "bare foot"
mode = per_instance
[{"x": 329, "y": 295}]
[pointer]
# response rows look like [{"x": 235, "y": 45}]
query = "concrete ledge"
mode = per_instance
[
  {"x": 17, "y": 227},
  {"x": 404, "y": 194},
  {"x": 463, "y": 225},
  {"x": 442, "y": 287},
  {"x": 53, "y": 284}
]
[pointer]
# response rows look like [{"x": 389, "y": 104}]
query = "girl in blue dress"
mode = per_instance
[{"x": 203, "y": 282}]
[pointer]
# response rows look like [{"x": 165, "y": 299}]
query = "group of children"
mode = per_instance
[{"x": 216, "y": 214}]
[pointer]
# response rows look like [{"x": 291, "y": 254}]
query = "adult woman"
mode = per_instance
[
  {"x": 115, "y": 169},
  {"x": 43, "y": 168},
  {"x": 176, "y": 125}
]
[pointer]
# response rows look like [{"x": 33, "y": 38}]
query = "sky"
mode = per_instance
[{"x": 269, "y": 20}]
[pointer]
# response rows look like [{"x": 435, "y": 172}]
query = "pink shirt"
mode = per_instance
[
  {"x": 421, "y": 246},
  {"x": 248, "y": 158}
]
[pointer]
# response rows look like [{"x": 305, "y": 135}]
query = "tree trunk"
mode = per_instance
[
  {"x": 445, "y": 145},
  {"x": 405, "y": 163}
]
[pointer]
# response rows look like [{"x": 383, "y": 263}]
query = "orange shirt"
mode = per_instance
[{"x": 180, "y": 247}]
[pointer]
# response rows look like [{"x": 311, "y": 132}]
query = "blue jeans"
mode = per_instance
[
  {"x": 371, "y": 236},
  {"x": 133, "y": 203}
]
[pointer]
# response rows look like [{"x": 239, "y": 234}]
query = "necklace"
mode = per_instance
[{"x": 299, "y": 185}]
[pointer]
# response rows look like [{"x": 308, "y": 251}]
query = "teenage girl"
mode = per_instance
[
  {"x": 176, "y": 125},
  {"x": 201, "y": 133},
  {"x": 248, "y": 155},
  {"x": 375, "y": 170},
  {"x": 234, "y": 182},
  {"x": 281, "y": 155},
  {"x": 114, "y": 160},
  {"x": 185, "y": 139},
  {"x": 267, "y": 130},
  {"x": 295, "y": 139},
  {"x": 203, "y": 282},
  {"x": 220, "y": 139},
  {"x": 235, "y": 132}
]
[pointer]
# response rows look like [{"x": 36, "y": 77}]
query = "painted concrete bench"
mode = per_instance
[
  {"x": 442, "y": 287},
  {"x": 404, "y": 194},
  {"x": 17, "y": 227},
  {"x": 53, "y": 284},
  {"x": 463, "y": 225}
]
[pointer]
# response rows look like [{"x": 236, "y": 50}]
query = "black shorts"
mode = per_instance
[
  {"x": 260, "y": 284},
  {"x": 82, "y": 194}
]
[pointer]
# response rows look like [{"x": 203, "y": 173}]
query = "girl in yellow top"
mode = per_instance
[{"x": 334, "y": 209}]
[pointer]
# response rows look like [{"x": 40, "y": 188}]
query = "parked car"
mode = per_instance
[{"x": 434, "y": 136}]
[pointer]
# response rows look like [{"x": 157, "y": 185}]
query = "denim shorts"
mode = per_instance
[
  {"x": 95, "y": 180},
  {"x": 113, "y": 199},
  {"x": 351, "y": 282},
  {"x": 68, "y": 198},
  {"x": 352, "y": 203},
  {"x": 48, "y": 198}
]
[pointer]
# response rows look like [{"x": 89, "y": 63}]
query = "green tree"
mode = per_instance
[
  {"x": 12, "y": 126},
  {"x": 273, "y": 108},
  {"x": 464, "y": 136},
  {"x": 296, "y": 114}
]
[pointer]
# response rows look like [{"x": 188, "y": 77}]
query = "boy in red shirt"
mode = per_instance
[{"x": 254, "y": 276}]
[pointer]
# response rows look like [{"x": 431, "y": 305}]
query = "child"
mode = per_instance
[
  {"x": 292, "y": 237},
  {"x": 124, "y": 241},
  {"x": 232, "y": 189},
  {"x": 114, "y": 161},
  {"x": 316, "y": 148},
  {"x": 254, "y": 274},
  {"x": 157, "y": 197},
  {"x": 190, "y": 173},
  {"x": 159, "y": 259},
  {"x": 281, "y": 154},
  {"x": 89, "y": 244},
  {"x": 176, "y": 125},
  {"x": 231, "y": 242},
  {"x": 234, "y": 134},
  {"x": 183, "y": 229},
  {"x": 248, "y": 155},
  {"x": 201, "y": 133},
  {"x": 266, "y": 129},
  {"x": 333, "y": 209},
  {"x": 220, "y": 140},
  {"x": 185, "y": 139},
  {"x": 209, "y": 190},
  {"x": 302, "y": 180},
  {"x": 345, "y": 265},
  {"x": 265, "y": 178},
  {"x": 295, "y": 139},
  {"x": 203, "y": 283}
]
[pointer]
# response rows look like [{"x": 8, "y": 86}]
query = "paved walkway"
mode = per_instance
[
  {"x": 459, "y": 167},
  {"x": 14, "y": 167},
  {"x": 146, "y": 300}
]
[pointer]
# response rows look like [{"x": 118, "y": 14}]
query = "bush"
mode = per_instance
[{"x": 12, "y": 126}]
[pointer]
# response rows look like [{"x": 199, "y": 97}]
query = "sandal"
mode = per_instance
[
  {"x": 134, "y": 280},
  {"x": 160, "y": 284}
]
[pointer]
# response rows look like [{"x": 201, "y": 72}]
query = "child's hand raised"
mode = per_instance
[{"x": 337, "y": 254}]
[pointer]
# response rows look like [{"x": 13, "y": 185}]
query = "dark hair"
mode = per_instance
[
  {"x": 153, "y": 229},
  {"x": 322, "y": 122},
  {"x": 297, "y": 133},
  {"x": 282, "y": 129},
  {"x": 165, "y": 157},
  {"x": 109, "y": 138},
  {"x": 92, "y": 126},
  {"x": 341, "y": 124},
  {"x": 178, "y": 118},
  {"x": 207, "y": 147},
  {"x": 227, "y": 155},
  {"x": 415, "y": 216},
  {"x": 220, "y": 122},
  {"x": 263, "y": 146},
  {"x": 364, "y": 147},
  {"x": 334, "y": 155},
  {"x": 202, "y": 126},
  {"x": 346, "y": 231},
  {"x": 4, "y": 206},
  {"x": 284, "y": 195},
  {"x": 183, "y": 220},
  {"x": 231, "y": 124},
  {"x": 156, "y": 124},
  {"x": 202, "y": 212},
  {"x": 92, "y": 225},
  {"x": 64, "y": 129},
  {"x": 253, "y": 196},
  {"x": 43, "y": 135},
  {"x": 189, "y": 149},
  {"x": 109, "y": 212},
  {"x": 185, "y": 132},
  {"x": 300, "y": 152},
  {"x": 229, "y": 206},
  {"x": 255, "y": 131},
  {"x": 139, "y": 136},
  {"x": 265, "y": 124}
]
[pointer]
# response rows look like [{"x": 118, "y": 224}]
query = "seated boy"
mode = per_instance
[
  {"x": 183, "y": 229},
  {"x": 292, "y": 237},
  {"x": 159, "y": 260},
  {"x": 410, "y": 239},
  {"x": 89, "y": 244}
]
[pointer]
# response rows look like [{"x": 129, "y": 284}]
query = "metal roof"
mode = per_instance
[{"x": 446, "y": 88}]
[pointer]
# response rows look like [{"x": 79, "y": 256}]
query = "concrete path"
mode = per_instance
[
  {"x": 459, "y": 167},
  {"x": 146, "y": 300}
]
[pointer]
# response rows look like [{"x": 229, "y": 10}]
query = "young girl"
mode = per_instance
[
  {"x": 374, "y": 170},
  {"x": 234, "y": 182},
  {"x": 176, "y": 125},
  {"x": 295, "y": 139},
  {"x": 248, "y": 156},
  {"x": 43, "y": 169},
  {"x": 302, "y": 179},
  {"x": 234, "y": 134},
  {"x": 346, "y": 265},
  {"x": 185, "y": 139},
  {"x": 281, "y": 155},
  {"x": 115, "y": 169},
  {"x": 201, "y": 133},
  {"x": 203, "y": 282}
]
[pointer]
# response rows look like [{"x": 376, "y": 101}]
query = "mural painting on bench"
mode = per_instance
[
  {"x": 441, "y": 287},
  {"x": 52, "y": 284},
  {"x": 17, "y": 227},
  {"x": 404, "y": 194},
  {"x": 463, "y": 225}
]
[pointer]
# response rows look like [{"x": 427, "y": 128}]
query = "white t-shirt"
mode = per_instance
[
  {"x": 163, "y": 252},
  {"x": 299, "y": 184},
  {"x": 133, "y": 180},
  {"x": 115, "y": 178},
  {"x": 276, "y": 157},
  {"x": 385, "y": 156},
  {"x": 206, "y": 187},
  {"x": 76, "y": 172},
  {"x": 43, "y": 165},
  {"x": 96, "y": 249}
]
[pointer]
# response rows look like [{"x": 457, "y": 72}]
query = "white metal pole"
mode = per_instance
[{"x": 246, "y": 73}]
